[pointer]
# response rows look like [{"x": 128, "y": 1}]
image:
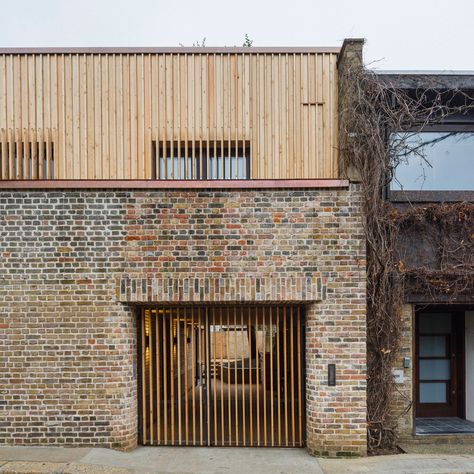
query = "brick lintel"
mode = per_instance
[{"x": 247, "y": 289}]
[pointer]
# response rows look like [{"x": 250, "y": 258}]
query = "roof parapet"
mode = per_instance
[
  {"x": 351, "y": 52},
  {"x": 176, "y": 50}
]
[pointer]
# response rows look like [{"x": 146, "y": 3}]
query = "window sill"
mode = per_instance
[
  {"x": 173, "y": 184},
  {"x": 431, "y": 196}
]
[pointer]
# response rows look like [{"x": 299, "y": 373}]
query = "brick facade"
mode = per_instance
[
  {"x": 68, "y": 332},
  {"x": 402, "y": 404}
]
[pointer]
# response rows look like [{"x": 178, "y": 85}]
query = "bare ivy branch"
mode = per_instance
[{"x": 370, "y": 109}]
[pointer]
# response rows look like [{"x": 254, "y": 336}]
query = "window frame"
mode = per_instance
[
  {"x": 200, "y": 152},
  {"x": 433, "y": 195}
]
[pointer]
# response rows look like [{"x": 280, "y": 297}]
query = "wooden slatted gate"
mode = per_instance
[{"x": 221, "y": 375}]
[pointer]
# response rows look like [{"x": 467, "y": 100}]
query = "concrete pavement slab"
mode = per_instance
[
  {"x": 401, "y": 464},
  {"x": 220, "y": 460},
  {"x": 208, "y": 460},
  {"x": 30, "y": 467},
  {"x": 40, "y": 453}
]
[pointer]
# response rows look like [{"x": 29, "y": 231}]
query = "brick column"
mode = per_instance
[
  {"x": 335, "y": 416},
  {"x": 121, "y": 384},
  {"x": 336, "y": 334}
]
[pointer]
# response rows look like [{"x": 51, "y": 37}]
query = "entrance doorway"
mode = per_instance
[
  {"x": 221, "y": 375},
  {"x": 439, "y": 368}
]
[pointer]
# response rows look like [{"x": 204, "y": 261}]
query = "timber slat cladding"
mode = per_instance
[
  {"x": 221, "y": 375},
  {"x": 106, "y": 115}
]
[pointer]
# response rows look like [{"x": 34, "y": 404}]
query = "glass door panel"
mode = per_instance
[
  {"x": 436, "y": 391},
  {"x": 433, "y": 346},
  {"x": 433, "y": 392}
]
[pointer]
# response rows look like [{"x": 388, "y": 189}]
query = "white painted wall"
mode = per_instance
[{"x": 470, "y": 365}]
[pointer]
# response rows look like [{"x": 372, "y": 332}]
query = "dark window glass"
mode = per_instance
[{"x": 436, "y": 161}]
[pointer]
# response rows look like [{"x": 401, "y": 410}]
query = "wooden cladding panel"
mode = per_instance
[{"x": 103, "y": 111}]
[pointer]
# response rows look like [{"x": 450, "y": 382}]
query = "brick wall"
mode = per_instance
[
  {"x": 336, "y": 334},
  {"x": 68, "y": 340},
  {"x": 402, "y": 404}
]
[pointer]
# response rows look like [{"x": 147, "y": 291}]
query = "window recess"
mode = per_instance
[
  {"x": 435, "y": 159},
  {"x": 200, "y": 160},
  {"x": 25, "y": 158}
]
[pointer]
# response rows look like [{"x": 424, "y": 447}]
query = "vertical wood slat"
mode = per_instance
[
  {"x": 299, "y": 351},
  {"x": 214, "y": 370},
  {"x": 165, "y": 381},
  {"x": 264, "y": 377},
  {"x": 150, "y": 376},
  {"x": 229, "y": 406},
  {"x": 278, "y": 354},
  {"x": 158, "y": 376},
  {"x": 257, "y": 374},
  {"x": 193, "y": 373},
  {"x": 271, "y": 377},
  {"x": 106, "y": 109},
  {"x": 235, "y": 358},
  {"x": 4, "y": 156},
  {"x": 172, "y": 376},
  {"x": 244, "y": 414},
  {"x": 278, "y": 315},
  {"x": 285, "y": 380},
  {"x": 292, "y": 378},
  {"x": 249, "y": 325},
  {"x": 201, "y": 401},
  {"x": 143, "y": 378},
  {"x": 208, "y": 379},
  {"x": 186, "y": 401},
  {"x": 178, "y": 356}
]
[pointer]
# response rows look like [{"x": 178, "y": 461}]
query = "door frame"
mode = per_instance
[{"x": 457, "y": 401}]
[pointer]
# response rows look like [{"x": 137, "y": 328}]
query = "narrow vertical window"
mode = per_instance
[{"x": 26, "y": 160}]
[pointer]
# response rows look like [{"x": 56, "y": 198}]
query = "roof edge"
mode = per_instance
[{"x": 173, "y": 50}]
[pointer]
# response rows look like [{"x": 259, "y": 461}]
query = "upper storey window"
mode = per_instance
[
  {"x": 26, "y": 159},
  {"x": 201, "y": 160},
  {"x": 435, "y": 160}
]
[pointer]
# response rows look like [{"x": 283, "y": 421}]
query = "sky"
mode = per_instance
[{"x": 401, "y": 34}]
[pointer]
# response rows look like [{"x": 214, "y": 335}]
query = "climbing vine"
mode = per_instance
[{"x": 370, "y": 108}]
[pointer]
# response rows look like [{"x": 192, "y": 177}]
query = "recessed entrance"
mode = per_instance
[
  {"x": 444, "y": 364},
  {"x": 221, "y": 375}
]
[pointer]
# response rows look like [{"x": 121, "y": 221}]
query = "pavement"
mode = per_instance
[{"x": 57, "y": 460}]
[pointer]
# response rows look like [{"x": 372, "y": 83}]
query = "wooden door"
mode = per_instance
[
  {"x": 439, "y": 356},
  {"x": 221, "y": 375}
]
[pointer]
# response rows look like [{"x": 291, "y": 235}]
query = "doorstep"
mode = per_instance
[
  {"x": 439, "y": 445},
  {"x": 461, "y": 438}
]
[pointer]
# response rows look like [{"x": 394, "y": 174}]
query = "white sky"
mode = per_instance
[{"x": 401, "y": 34}]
